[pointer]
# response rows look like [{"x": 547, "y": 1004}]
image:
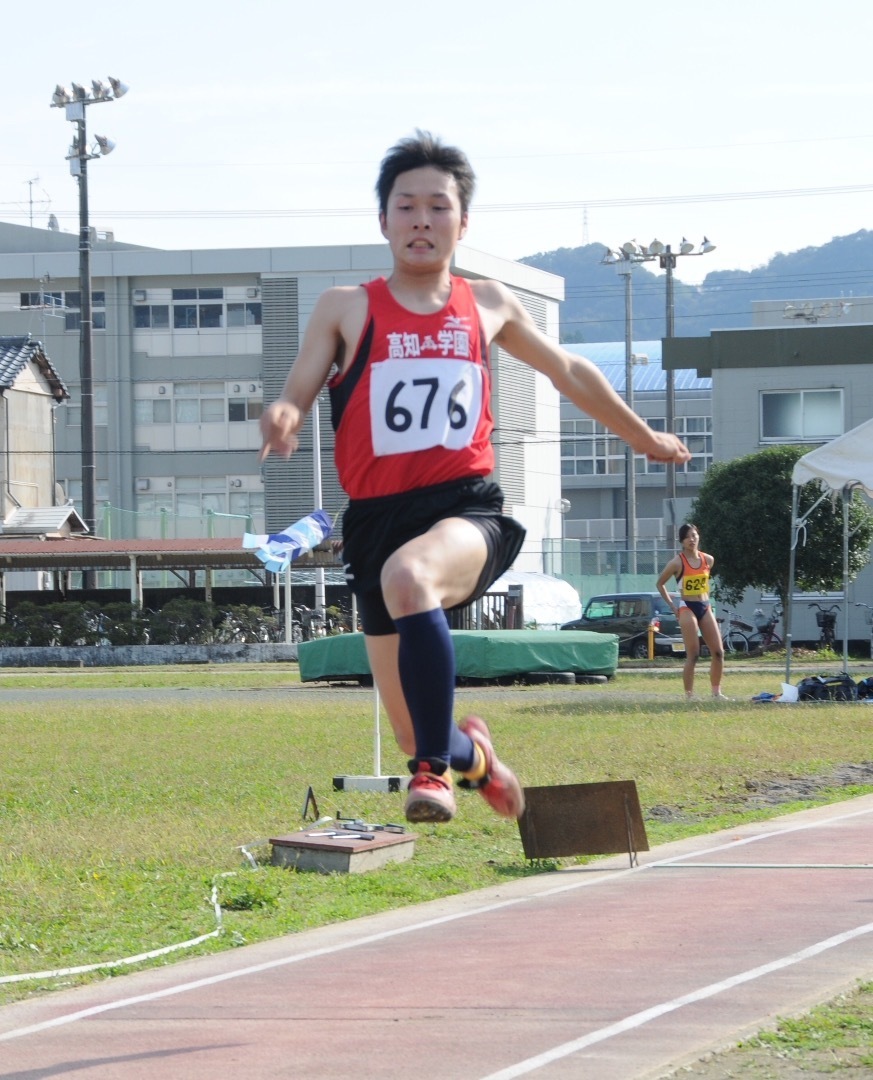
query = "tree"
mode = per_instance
[{"x": 743, "y": 512}]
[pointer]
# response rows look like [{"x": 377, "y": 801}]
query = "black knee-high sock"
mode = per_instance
[{"x": 426, "y": 661}]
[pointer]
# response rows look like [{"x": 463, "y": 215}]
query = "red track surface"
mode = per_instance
[{"x": 607, "y": 973}]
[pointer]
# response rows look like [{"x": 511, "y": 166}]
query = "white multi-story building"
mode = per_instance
[
  {"x": 189, "y": 345},
  {"x": 593, "y": 461},
  {"x": 802, "y": 375}
]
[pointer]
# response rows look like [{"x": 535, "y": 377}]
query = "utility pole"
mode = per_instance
[{"x": 630, "y": 254}]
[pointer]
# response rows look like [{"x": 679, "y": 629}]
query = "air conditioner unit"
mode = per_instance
[
  {"x": 143, "y": 483},
  {"x": 139, "y": 296},
  {"x": 252, "y": 293},
  {"x": 236, "y": 483}
]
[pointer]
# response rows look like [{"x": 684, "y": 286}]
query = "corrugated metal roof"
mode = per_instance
[
  {"x": 217, "y": 553},
  {"x": 16, "y": 353},
  {"x": 648, "y": 378}
]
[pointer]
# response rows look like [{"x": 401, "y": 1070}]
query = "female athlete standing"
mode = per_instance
[{"x": 691, "y": 568}]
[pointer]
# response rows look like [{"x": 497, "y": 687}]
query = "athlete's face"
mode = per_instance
[
  {"x": 423, "y": 221},
  {"x": 692, "y": 539}
]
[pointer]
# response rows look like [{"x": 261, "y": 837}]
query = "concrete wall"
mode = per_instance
[{"x": 146, "y": 655}]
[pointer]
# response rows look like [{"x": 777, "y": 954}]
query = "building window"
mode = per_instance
[
  {"x": 100, "y": 405},
  {"x": 801, "y": 415},
  {"x": 243, "y": 314},
  {"x": 184, "y": 316},
  {"x": 152, "y": 411},
  {"x": 189, "y": 313},
  {"x": 199, "y": 402},
  {"x": 241, "y": 409},
  {"x": 151, "y": 317},
  {"x": 696, "y": 433},
  {"x": 198, "y": 496},
  {"x": 73, "y": 304},
  {"x": 41, "y": 300},
  {"x": 588, "y": 449},
  {"x": 247, "y": 504},
  {"x": 211, "y": 315},
  {"x": 198, "y": 415},
  {"x": 193, "y": 309}
]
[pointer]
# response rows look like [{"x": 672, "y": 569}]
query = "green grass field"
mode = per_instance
[{"x": 126, "y": 796}]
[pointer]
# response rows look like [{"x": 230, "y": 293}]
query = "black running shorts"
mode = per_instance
[{"x": 373, "y": 529}]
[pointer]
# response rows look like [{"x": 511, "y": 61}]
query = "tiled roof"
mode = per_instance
[{"x": 16, "y": 353}]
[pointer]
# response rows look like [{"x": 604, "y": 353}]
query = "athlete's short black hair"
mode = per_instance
[{"x": 421, "y": 150}]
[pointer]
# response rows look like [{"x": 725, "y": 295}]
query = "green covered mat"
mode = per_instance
[{"x": 480, "y": 654}]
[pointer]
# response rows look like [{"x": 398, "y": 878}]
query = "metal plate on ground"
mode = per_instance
[{"x": 583, "y": 819}]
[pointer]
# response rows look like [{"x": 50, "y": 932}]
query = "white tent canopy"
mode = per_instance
[
  {"x": 848, "y": 459},
  {"x": 548, "y": 601},
  {"x": 840, "y": 466}
]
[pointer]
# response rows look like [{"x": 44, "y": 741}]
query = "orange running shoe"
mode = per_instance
[
  {"x": 429, "y": 795},
  {"x": 499, "y": 786}
]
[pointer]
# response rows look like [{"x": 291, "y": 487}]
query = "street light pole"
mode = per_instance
[
  {"x": 74, "y": 103},
  {"x": 632, "y": 252},
  {"x": 668, "y": 264},
  {"x": 667, "y": 261},
  {"x": 625, "y": 261},
  {"x": 630, "y": 498}
]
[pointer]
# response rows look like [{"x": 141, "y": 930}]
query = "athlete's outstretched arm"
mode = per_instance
[
  {"x": 576, "y": 377},
  {"x": 322, "y": 347}
]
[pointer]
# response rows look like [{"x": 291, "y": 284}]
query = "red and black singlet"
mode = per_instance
[{"x": 413, "y": 409}]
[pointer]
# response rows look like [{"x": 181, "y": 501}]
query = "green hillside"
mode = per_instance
[{"x": 594, "y": 306}]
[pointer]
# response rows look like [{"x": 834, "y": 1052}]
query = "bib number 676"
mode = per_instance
[
  {"x": 437, "y": 404},
  {"x": 399, "y": 418}
]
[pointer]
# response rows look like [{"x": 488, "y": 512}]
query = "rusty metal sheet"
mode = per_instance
[{"x": 583, "y": 819}]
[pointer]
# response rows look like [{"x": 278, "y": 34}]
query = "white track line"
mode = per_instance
[
  {"x": 656, "y": 1011},
  {"x": 255, "y": 969}
]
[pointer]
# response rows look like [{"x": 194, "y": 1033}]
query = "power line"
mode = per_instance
[{"x": 487, "y": 208}]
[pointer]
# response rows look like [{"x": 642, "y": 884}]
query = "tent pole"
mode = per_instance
[
  {"x": 847, "y": 492},
  {"x": 792, "y": 560}
]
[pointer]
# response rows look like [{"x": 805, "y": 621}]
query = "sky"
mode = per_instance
[{"x": 263, "y": 123}]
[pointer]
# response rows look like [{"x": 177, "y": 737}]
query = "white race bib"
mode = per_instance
[{"x": 419, "y": 404}]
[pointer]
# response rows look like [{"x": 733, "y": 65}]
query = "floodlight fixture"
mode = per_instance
[
  {"x": 119, "y": 89},
  {"x": 104, "y": 145}
]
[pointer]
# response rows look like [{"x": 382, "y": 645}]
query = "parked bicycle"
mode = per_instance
[
  {"x": 312, "y": 621},
  {"x": 764, "y": 638},
  {"x": 826, "y": 619},
  {"x": 734, "y": 632}
]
